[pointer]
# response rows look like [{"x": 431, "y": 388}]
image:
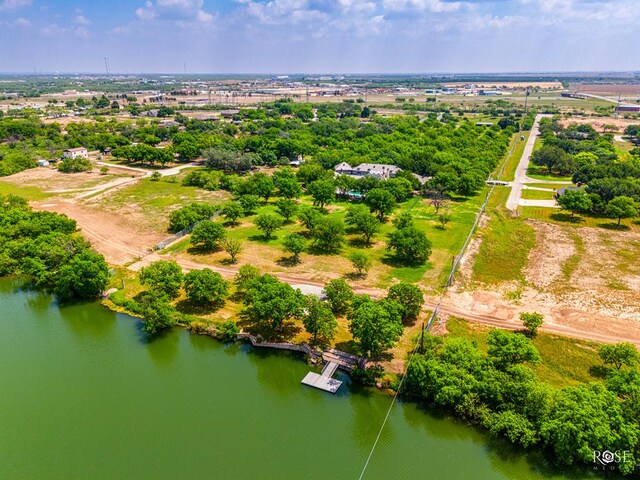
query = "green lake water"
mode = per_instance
[{"x": 83, "y": 395}]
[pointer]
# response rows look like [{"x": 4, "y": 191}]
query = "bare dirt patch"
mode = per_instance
[
  {"x": 599, "y": 122},
  {"x": 585, "y": 281},
  {"x": 52, "y": 181},
  {"x": 118, "y": 239}
]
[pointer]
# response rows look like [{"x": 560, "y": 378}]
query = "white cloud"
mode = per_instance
[
  {"x": 22, "y": 22},
  {"x": 426, "y": 5},
  {"x": 13, "y": 4},
  {"x": 81, "y": 20},
  {"x": 183, "y": 11}
]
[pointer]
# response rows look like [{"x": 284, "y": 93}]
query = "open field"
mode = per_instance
[
  {"x": 552, "y": 215},
  {"x": 511, "y": 164},
  {"x": 530, "y": 194},
  {"x": 269, "y": 256}
]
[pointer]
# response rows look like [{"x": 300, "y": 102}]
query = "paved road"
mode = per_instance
[{"x": 521, "y": 171}]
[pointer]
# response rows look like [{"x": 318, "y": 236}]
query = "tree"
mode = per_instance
[
  {"x": 294, "y": 244},
  {"x": 508, "y": 349},
  {"x": 208, "y": 234},
  {"x": 361, "y": 262},
  {"x": 163, "y": 277},
  {"x": 410, "y": 245},
  {"x": 84, "y": 277},
  {"x": 287, "y": 208},
  {"x": 186, "y": 216},
  {"x": 232, "y": 211},
  {"x": 156, "y": 176},
  {"x": 438, "y": 200},
  {"x": 410, "y": 299},
  {"x": 205, "y": 287},
  {"x": 619, "y": 355},
  {"x": 549, "y": 156},
  {"x": 532, "y": 321},
  {"x": 75, "y": 165},
  {"x": 621, "y": 207},
  {"x": 322, "y": 191},
  {"x": 361, "y": 219},
  {"x": 376, "y": 326},
  {"x": 309, "y": 217},
  {"x": 328, "y": 234},
  {"x": 381, "y": 202},
  {"x": 104, "y": 170},
  {"x": 157, "y": 315},
  {"x": 403, "y": 220},
  {"x": 575, "y": 201},
  {"x": 246, "y": 273},
  {"x": 339, "y": 296},
  {"x": 443, "y": 219},
  {"x": 249, "y": 203},
  {"x": 318, "y": 320},
  {"x": 267, "y": 224},
  {"x": 287, "y": 185},
  {"x": 233, "y": 247},
  {"x": 271, "y": 302},
  {"x": 262, "y": 185}
]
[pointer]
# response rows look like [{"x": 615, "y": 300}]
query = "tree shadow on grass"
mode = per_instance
[
  {"x": 288, "y": 261},
  {"x": 565, "y": 217},
  {"x": 191, "y": 308},
  {"x": 262, "y": 239},
  {"x": 349, "y": 346},
  {"x": 353, "y": 276},
  {"x": 599, "y": 371},
  {"x": 202, "y": 250},
  {"x": 288, "y": 330},
  {"x": 395, "y": 262},
  {"x": 359, "y": 242},
  {"x": 614, "y": 226}
]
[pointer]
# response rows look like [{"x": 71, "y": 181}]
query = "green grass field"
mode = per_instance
[
  {"x": 565, "y": 361},
  {"x": 155, "y": 200},
  {"x": 506, "y": 242},
  {"x": 537, "y": 194},
  {"x": 555, "y": 215},
  {"x": 269, "y": 254},
  {"x": 513, "y": 159},
  {"x": 30, "y": 193}
]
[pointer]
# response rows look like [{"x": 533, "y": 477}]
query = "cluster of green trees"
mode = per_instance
[
  {"x": 204, "y": 289},
  {"x": 143, "y": 153},
  {"x": 45, "y": 247},
  {"x": 75, "y": 165},
  {"x": 189, "y": 215},
  {"x": 500, "y": 392}
]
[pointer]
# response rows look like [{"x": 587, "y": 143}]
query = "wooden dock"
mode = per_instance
[{"x": 324, "y": 380}]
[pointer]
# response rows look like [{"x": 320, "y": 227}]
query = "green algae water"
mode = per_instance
[{"x": 84, "y": 395}]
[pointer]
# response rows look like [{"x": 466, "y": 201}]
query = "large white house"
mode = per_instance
[
  {"x": 379, "y": 170},
  {"x": 75, "y": 153}
]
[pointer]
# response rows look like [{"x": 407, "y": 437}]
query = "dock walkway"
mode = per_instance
[{"x": 324, "y": 380}]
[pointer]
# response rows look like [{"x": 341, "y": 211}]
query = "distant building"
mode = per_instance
[
  {"x": 229, "y": 113},
  {"x": 43, "y": 163},
  {"x": 379, "y": 170},
  {"x": 628, "y": 108},
  {"x": 75, "y": 153},
  {"x": 484, "y": 124}
]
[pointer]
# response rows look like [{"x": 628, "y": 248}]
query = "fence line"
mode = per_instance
[{"x": 182, "y": 233}]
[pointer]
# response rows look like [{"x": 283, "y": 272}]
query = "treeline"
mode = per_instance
[
  {"x": 498, "y": 391},
  {"x": 45, "y": 247}
]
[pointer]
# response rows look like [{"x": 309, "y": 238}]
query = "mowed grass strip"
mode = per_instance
[
  {"x": 503, "y": 253},
  {"x": 560, "y": 217},
  {"x": 511, "y": 165},
  {"x": 565, "y": 361},
  {"x": 530, "y": 194}
]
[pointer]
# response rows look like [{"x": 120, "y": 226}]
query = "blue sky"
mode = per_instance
[{"x": 314, "y": 36}]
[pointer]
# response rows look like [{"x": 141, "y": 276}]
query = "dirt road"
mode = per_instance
[{"x": 574, "y": 323}]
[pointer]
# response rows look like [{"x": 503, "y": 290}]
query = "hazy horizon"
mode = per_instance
[{"x": 317, "y": 36}]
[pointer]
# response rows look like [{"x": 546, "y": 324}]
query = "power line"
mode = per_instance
[{"x": 434, "y": 315}]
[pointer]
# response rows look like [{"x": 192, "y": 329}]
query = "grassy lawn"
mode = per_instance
[
  {"x": 511, "y": 164},
  {"x": 537, "y": 194},
  {"x": 152, "y": 201},
  {"x": 269, "y": 255},
  {"x": 503, "y": 253},
  {"x": 30, "y": 193},
  {"x": 543, "y": 174},
  {"x": 565, "y": 361},
  {"x": 554, "y": 215}
]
